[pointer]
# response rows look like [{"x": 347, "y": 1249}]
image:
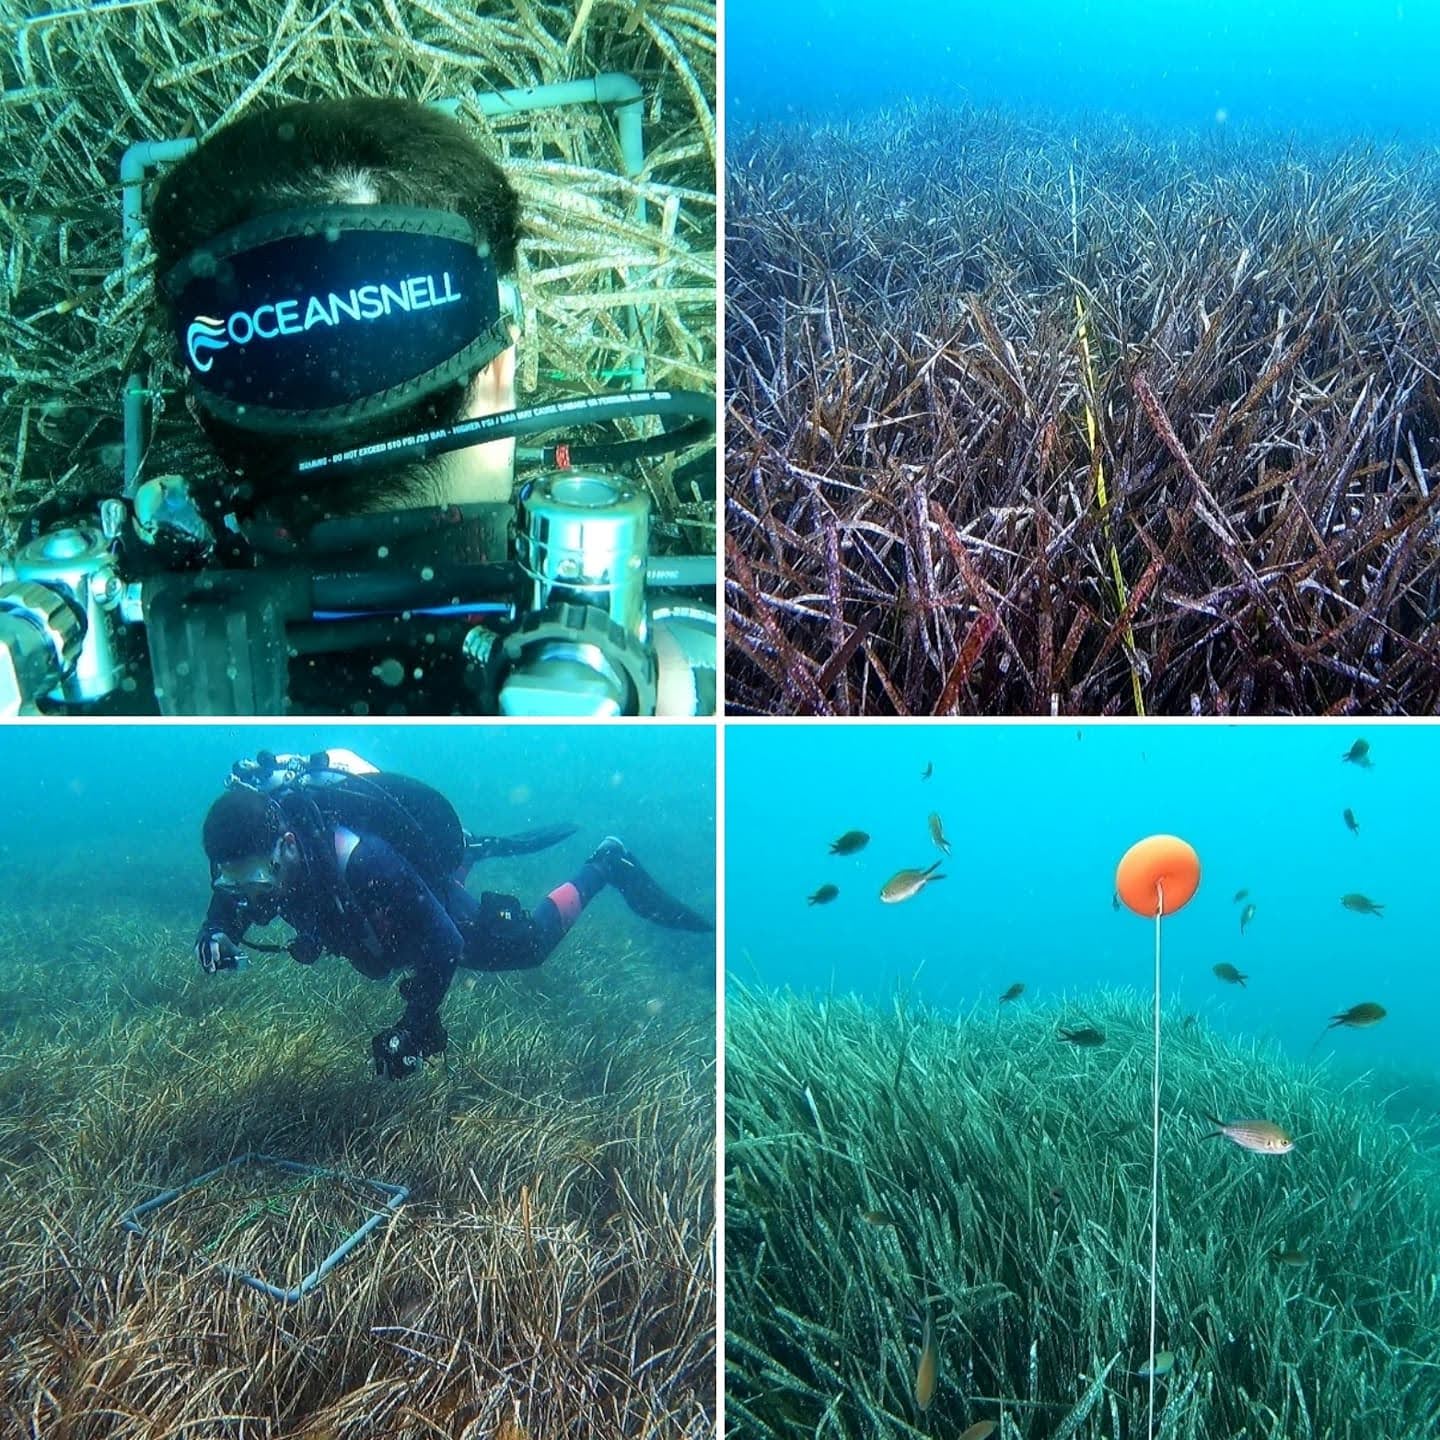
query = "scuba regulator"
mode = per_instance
[{"x": 307, "y": 324}]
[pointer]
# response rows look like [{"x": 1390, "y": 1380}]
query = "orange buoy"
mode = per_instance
[{"x": 1161, "y": 870}]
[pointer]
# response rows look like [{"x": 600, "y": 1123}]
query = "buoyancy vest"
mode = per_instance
[{"x": 413, "y": 818}]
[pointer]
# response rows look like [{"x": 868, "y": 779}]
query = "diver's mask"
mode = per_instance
[
  {"x": 250, "y": 876},
  {"x": 308, "y": 320}
]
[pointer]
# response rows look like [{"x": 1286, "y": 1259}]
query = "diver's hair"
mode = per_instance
[
  {"x": 349, "y": 151},
  {"x": 241, "y": 823}
]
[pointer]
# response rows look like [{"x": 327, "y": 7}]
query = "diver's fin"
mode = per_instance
[
  {"x": 641, "y": 892},
  {"x": 491, "y": 847}
]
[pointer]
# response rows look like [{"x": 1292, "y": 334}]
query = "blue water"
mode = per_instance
[
  {"x": 1039, "y": 816},
  {"x": 1360, "y": 67},
  {"x": 129, "y": 800}
]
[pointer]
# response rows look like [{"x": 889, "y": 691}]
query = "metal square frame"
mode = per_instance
[{"x": 396, "y": 1195}]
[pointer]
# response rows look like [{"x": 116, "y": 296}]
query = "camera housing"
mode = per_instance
[{"x": 581, "y": 623}]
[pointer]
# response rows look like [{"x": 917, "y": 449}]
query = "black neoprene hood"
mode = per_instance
[
  {"x": 305, "y": 320},
  {"x": 241, "y": 823}
]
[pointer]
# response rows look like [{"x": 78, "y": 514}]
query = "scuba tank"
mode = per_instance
[{"x": 338, "y": 788}]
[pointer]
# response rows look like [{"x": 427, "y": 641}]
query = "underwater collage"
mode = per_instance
[{"x": 719, "y": 718}]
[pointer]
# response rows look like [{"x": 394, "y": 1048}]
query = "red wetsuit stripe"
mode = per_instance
[{"x": 566, "y": 899}]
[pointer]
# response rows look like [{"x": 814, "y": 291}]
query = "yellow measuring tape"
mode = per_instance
[{"x": 1097, "y": 469}]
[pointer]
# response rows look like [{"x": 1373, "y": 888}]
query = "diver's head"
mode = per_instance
[
  {"x": 394, "y": 155},
  {"x": 250, "y": 849}
]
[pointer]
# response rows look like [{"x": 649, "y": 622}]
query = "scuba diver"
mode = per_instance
[
  {"x": 337, "y": 279},
  {"x": 370, "y": 865}
]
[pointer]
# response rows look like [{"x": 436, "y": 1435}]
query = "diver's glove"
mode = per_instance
[
  {"x": 396, "y": 1053},
  {"x": 399, "y": 1051},
  {"x": 622, "y": 870},
  {"x": 215, "y": 950}
]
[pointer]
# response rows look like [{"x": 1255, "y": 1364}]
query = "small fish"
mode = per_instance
[
  {"x": 1229, "y": 974},
  {"x": 1115, "y": 901},
  {"x": 850, "y": 843},
  {"x": 823, "y": 896},
  {"x": 1361, "y": 905},
  {"x": 926, "y": 1371},
  {"x": 980, "y": 1430},
  {"x": 877, "y": 1218},
  {"x": 1359, "y": 1017},
  {"x": 1189, "y": 1020},
  {"x": 1013, "y": 993},
  {"x": 1240, "y": 895},
  {"x": 1057, "y": 1195},
  {"x": 1164, "y": 1363},
  {"x": 1290, "y": 1257},
  {"x": 1086, "y": 1037},
  {"x": 1358, "y": 754},
  {"x": 928, "y": 771},
  {"x": 1246, "y": 916},
  {"x": 905, "y": 884},
  {"x": 1264, "y": 1137},
  {"x": 937, "y": 833},
  {"x": 1352, "y": 824}
]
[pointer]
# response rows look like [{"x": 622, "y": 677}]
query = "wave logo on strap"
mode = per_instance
[
  {"x": 204, "y": 333},
  {"x": 294, "y": 317}
]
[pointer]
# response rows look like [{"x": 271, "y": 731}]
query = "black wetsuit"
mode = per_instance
[{"x": 361, "y": 899}]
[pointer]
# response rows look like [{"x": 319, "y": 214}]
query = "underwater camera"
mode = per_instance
[{"x": 313, "y": 322}]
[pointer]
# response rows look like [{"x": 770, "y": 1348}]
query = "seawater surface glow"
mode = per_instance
[
  {"x": 1039, "y": 816},
  {"x": 1334, "y": 66}
]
